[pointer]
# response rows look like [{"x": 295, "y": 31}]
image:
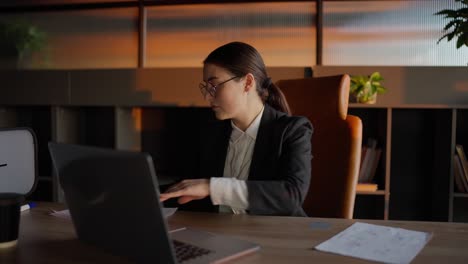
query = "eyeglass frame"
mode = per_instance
[{"x": 212, "y": 90}]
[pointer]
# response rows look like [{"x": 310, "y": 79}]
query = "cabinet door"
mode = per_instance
[{"x": 421, "y": 159}]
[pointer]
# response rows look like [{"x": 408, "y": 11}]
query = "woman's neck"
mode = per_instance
[{"x": 243, "y": 121}]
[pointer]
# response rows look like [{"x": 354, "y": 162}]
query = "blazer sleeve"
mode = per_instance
[{"x": 285, "y": 194}]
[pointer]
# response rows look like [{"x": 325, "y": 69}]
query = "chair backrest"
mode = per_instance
[{"x": 336, "y": 143}]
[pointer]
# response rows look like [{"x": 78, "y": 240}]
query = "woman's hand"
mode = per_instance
[{"x": 187, "y": 190}]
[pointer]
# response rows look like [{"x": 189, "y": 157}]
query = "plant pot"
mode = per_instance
[
  {"x": 370, "y": 100},
  {"x": 355, "y": 99}
]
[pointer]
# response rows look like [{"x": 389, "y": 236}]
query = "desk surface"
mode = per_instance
[{"x": 47, "y": 239}]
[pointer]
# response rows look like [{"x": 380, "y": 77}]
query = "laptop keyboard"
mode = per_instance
[{"x": 186, "y": 251}]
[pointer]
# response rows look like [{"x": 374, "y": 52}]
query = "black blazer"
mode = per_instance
[{"x": 280, "y": 169}]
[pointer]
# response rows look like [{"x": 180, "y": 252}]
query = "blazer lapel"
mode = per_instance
[{"x": 261, "y": 148}]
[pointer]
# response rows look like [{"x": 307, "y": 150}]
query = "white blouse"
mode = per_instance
[{"x": 230, "y": 191}]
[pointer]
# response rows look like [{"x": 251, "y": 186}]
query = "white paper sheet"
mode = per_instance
[
  {"x": 377, "y": 243},
  {"x": 169, "y": 211},
  {"x": 66, "y": 214}
]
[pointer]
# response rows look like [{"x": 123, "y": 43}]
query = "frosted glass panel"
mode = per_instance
[
  {"x": 182, "y": 36},
  {"x": 396, "y": 33},
  {"x": 56, "y": 2},
  {"x": 101, "y": 38}
]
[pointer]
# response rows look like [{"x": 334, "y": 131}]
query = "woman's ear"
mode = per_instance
[{"x": 249, "y": 83}]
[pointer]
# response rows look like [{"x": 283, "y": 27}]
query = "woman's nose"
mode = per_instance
[{"x": 209, "y": 98}]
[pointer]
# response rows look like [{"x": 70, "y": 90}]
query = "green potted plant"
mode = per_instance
[
  {"x": 17, "y": 40},
  {"x": 457, "y": 25},
  {"x": 364, "y": 89}
]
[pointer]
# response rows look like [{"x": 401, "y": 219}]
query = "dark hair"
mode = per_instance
[{"x": 240, "y": 59}]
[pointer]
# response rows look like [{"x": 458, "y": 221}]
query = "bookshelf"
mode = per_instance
[
  {"x": 458, "y": 209},
  {"x": 376, "y": 121},
  {"x": 415, "y": 177},
  {"x": 422, "y": 104}
]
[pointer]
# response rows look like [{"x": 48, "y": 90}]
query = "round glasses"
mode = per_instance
[{"x": 209, "y": 88}]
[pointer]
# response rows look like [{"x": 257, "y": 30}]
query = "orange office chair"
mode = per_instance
[{"x": 336, "y": 143}]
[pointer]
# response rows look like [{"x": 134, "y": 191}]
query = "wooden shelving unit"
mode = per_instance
[
  {"x": 378, "y": 192},
  {"x": 458, "y": 209},
  {"x": 376, "y": 123},
  {"x": 418, "y": 141}
]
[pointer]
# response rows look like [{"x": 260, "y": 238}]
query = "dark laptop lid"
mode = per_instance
[{"x": 113, "y": 200}]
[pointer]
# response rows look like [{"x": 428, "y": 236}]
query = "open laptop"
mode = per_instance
[{"x": 113, "y": 200}]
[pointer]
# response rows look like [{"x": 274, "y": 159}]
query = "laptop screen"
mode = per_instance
[{"x": 113, "y": 200}]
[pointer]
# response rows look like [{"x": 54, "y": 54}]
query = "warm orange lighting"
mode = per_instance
[
  {"x": 461, "y": 86},
  {"x": 136, "y": 116}
]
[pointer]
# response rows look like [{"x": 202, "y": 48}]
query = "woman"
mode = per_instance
[{"x": 257, "y": 157}]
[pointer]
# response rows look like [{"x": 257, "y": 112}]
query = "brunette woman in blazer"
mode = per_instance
[{"x": 257, "y": 158}]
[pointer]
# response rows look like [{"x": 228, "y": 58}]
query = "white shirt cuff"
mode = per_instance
[{"x": 229, "y": 191}]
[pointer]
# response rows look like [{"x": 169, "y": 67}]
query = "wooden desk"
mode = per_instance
[{"x": 47, "y": 239}]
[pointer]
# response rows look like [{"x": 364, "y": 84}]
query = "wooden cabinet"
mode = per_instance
[
  {"x": 376, "y": 124},
  {"x": 415, "y": 176},
  {"x": 458, "y": 202}
]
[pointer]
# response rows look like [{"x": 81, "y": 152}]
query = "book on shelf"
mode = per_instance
[
  {"x": 461, "y": 185},
  {"x": 462, "y": 164},
  {"x": 366, "y": 187},
  {"x": 363, "y": 155},
  {"x": 370, "y": 156},
  {"x": 374, "y": 163}
]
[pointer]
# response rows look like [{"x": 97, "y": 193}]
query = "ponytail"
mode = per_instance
[{"x": 276, "y": 99}]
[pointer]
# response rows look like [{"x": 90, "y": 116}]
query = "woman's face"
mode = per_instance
[{"x": 229, "y": 97}]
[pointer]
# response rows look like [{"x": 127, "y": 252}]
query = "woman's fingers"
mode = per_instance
[
  {"x": 176, "y": 187},
  {"x": 182, "y": 199},
  {"x": 187, "y": 190},
  {"x": 168, "y": 195},
  {"x": 179, "y": 186},
  {"x": 187, "y": 198}
]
